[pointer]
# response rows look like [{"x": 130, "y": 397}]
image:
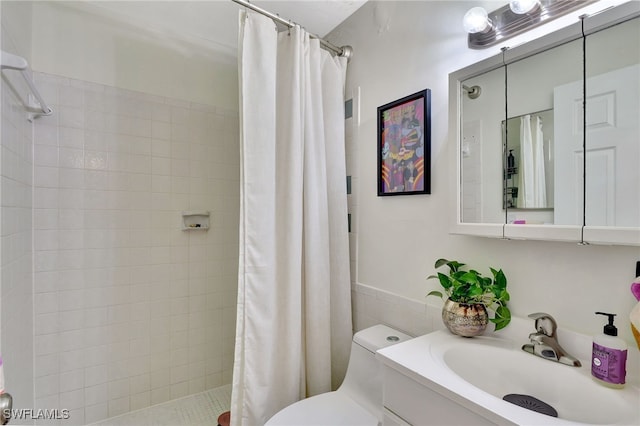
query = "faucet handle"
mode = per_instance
[
  {"x": 544, "y": 323},
  {"x": 536, "y": 338}
]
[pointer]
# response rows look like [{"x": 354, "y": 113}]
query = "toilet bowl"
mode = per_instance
[{"x": 358, "y": 401}]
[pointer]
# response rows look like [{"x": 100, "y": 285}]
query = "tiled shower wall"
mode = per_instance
[
  {"x": 130, "y": 310},
  {"x": 17, "y": 256}
]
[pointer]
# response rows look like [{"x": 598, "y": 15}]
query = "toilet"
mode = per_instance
[{"x": 358, "y": 401}]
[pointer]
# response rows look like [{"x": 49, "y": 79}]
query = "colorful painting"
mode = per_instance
[{"x": 404, "y": 146}]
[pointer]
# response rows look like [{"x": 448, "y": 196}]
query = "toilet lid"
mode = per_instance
[{"x": 327, "y": 409}]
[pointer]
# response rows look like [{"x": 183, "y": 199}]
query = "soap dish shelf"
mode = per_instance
[{"x": 195, "y": 220}]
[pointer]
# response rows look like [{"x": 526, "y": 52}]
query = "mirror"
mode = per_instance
[
  {"x": 481, "y": 150},
  {"x": 529, "y": 177},
  {"x": 531, "y": 88},
  {"x": 612, "y": 196},
  {"x": 530, "y": 107}
]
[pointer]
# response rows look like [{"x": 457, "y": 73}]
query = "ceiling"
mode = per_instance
[
  {"x": 213, "y": 24},
  {"x": 317, "y": 16}
]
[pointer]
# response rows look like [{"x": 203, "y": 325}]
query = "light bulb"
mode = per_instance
[
  {"x": 521, "y": 7},
  {"x": 476, "y": 20}
]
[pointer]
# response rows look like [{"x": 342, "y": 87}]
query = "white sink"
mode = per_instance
[
  {"x": 477, "y": 373},
  {"x": 499, "y": 368}
]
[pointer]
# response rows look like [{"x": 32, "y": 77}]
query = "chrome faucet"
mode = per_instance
[{"x": 544, "y": 342}]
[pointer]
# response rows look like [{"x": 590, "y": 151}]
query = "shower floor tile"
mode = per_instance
[{"x": 195, "y": 410}]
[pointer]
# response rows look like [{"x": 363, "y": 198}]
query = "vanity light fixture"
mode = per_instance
[
  {"x": 487, "y": 29},
  {"x": 476, "y": 20},
  {"x": 523, "y": 6}
]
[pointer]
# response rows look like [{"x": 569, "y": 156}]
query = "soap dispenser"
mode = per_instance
[
  {"x": 511, "y": 161},
  {"x": 609, "y": 356}
]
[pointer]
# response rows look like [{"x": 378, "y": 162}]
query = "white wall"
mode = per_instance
[
  {"x": 16, "y": 174},
  {"x": 403, "y": 47},
  {"x": 102, "y": 49},
  {"x": 17, "y": 17}
]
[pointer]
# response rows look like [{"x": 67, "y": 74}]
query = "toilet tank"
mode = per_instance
[{"x": 363, "y": 381}]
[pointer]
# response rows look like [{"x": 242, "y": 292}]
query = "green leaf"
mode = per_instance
[
  {"x": 503, "y": 312},
  {"x": 499, "y": 278},
  {"x": 499, "y": 323},
  {"x": 435, "y": 293},
  {"x": 452, "y": 264},
  {"x": 470, "y": 277},
  {"x": 485, "y": 282},
  {"x": 475, "y": 291},
  {"x": 460, "y": 293},
  {"x": 445, "y": 281},
  {"x": 441, "y": 262},
  {"x": 502, "y": 317}
]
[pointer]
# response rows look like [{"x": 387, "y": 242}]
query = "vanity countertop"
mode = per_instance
[{"x": 422, "y": 359}]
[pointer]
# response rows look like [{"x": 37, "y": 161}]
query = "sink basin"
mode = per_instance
[
  {"x": 499, "y": 368},
  {"x": 477, "y": 373}
]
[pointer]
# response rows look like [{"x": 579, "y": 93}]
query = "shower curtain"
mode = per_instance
[
  {"x": 532, "y": 187},
  {"x": 293, "y": 332}
]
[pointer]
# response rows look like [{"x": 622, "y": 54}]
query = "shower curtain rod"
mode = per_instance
[{"x": 346, "y": 51}]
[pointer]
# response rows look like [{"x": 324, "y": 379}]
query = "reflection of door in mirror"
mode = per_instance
[
  {"x": 481, "y": 162},
  {"x": 529, "y": 164},
  {"x": 613, "y": 126},
  {"x": 567, "y": 102},
  {"x": 611, "y": 195},
  {"x": 530, "y": 88}
]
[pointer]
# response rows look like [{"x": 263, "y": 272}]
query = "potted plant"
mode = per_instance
[{"x": 469, "y": 294}]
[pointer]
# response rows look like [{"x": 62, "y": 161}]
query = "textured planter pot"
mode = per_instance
[{"x": 465, "y": 319}]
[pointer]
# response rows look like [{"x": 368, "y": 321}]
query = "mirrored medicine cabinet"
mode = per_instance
[{"x": 548, "y": 136}]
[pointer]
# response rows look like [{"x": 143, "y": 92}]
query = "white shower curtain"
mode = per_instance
[
  {"x": 540, "y": 181},
  {"x": 532, "y": 188},
  {"x": 293, "y": 332}
]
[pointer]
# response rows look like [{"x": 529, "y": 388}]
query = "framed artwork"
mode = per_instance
[{"x": 404, "y": 145}]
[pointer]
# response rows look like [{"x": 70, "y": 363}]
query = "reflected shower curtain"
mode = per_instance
[
  {"x": 540, "y": 181},
  {"x": 532, "y": 187},
  {"x": 293, "y": 331}
]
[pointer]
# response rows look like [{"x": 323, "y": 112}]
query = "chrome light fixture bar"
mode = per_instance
[{"x": 504, "y": 23}]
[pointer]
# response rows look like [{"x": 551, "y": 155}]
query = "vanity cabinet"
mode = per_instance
[{"x": 407, "y": 402}]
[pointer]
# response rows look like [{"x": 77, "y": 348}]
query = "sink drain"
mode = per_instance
[{"x": 531, "y": 403}]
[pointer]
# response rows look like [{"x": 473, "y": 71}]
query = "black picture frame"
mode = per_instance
[{"x": 404, "y": 145}]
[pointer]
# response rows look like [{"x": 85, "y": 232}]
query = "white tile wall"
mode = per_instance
[
  {"x": 16, "y": 276},
  {"x": 374, "y": 306},
  {"x": 130, "y": 310}
]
